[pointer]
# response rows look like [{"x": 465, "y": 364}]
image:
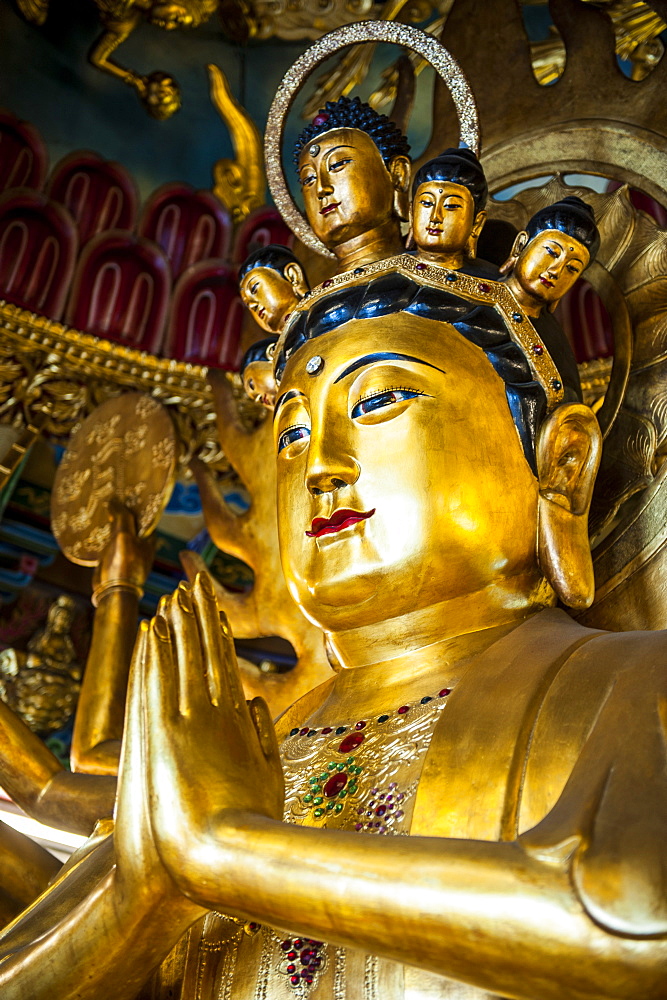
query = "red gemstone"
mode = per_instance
[
  {"x": 291, "y": 955},
  {"x": 483, "y": 287},
  {"x": 327, "y": 730},
  {"x": 321, "y": 119},
  {"x": 403, "y": 709},
  {"x": 538, "y": 349},
  {"x": 335, "y": 784},
  {"x": 420, "y": 267},
  {"x": 291, "y": 968},
  {"x": 303, "y": 732},
  {"x": 329, "y": 281},
  {"x": 380, "y": 811},
  {"x": 444, "y": 692},
  {"x": 360, "y": 725},
  {"x": 295, "y": 980},
  {"x": 351, "y": 742}
]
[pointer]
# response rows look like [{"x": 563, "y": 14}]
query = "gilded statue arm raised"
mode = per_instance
[
  {"x": 454, "y": 899},
  {"x": 118, "y": 585},
  {"x": 116, "y": 907}
]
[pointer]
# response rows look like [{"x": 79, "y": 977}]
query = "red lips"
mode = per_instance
[
  {"x": 339, "y": 519},
  {"x": 329, "y": 208}
]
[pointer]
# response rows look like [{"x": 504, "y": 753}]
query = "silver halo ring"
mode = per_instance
[{"x": 426, "y": 46}]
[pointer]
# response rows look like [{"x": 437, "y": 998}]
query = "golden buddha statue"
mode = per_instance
[
  {"x": 272, "y": 281},
  {"x": 42, "y": 685},
  {"x": 257, "y": 372},
  {"x": 548, "y": 256},
  {"x": 449, "y": 193},
  {"x": 359, "y": 223},
  {"x": 453, "y": 813}
]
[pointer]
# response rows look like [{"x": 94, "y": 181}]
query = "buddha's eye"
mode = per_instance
[
  {"x": 452, "y": 206},
  {"x": 426, "y": 202},
  {"x": 339, "y": 164},
  {"x": 551, "y": 251},
  {"x": 573, "y": 269},
  {"x": 292, "y": 434},
  {"x": 381, "y": 399},
  {"x": 307, "y": 180}
]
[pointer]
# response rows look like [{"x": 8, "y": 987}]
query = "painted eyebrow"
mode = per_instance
[
  {"x": 286, "y": 396},
  {"x": 369, "y": 359}
]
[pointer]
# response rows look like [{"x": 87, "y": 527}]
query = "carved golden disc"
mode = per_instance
[{"x": 126, "y": 450}]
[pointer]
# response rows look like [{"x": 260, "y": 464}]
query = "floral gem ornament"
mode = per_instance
[{"x": 359, "y": 775}]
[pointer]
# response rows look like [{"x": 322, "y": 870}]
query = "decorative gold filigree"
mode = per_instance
[{"x": 55, "y": 376}]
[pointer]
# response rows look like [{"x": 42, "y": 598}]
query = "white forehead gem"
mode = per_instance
[
  {"x": 314, "y": 150},
  {"x": 315, "y": 365}
]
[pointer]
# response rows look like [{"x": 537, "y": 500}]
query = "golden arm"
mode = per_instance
[
  {"x": 115, "y": 908},
  {"x": 36, "y": 780},
  {"x": 118, "y": 586},
  {"x": 502, "y": 916}
]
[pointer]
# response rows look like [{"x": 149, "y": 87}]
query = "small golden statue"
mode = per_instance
[
  {"x": 272, "y": 282},
  {"x": 257, "y": 372},
  {"x": 550, "y": 254},
  {"x": 42, "y": 685},
  {"x": 158, "y": 91},
  {"x": 448, "y": 198}
]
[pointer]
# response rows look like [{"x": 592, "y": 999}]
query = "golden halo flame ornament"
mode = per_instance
[
  {"x": 352, "y": 34},
  {"x": 125, "y": 450}
]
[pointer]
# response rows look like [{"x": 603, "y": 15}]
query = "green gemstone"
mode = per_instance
[
  {"x": 342, "y": 793},
  {"x": 308, "y": 798},
  {"x": 358, "y": 770},
  {"x": 318, "y": 813},
  {"x": 351, "y": 788},
  {"x": 315, "y": 789},
  {"x": 332, "y": 765},
  {"x": 330, "y": 805},
  {"x": 313, "y": 781},
  {"x": 318, "y": 801},
  {"x": 339, "y": 767},
  {"x": 323, "y": 776},
  {"x": 338, "y": 807},
  {"x": 350, "y": 760}
]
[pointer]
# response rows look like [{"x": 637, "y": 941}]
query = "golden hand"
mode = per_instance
[
  {"x": 209, "y": 753},
  {"x": 141, "y": 878}
]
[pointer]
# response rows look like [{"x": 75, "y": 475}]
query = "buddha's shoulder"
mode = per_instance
[{"x": 601, "y": 679}]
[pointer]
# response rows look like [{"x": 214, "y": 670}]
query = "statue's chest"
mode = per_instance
[{"x": 357, "y": 774}]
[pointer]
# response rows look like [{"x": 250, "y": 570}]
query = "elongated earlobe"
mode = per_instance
[
  {"x": 399, "y": 169},
  {"x": 568, "y": 455},
  {"x": 519, "y": 243},
  {"x": 471, "y": 245}
]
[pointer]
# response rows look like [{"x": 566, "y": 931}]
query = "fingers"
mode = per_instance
[
  {"x": 266, "y": 731},
  {"x": 162, "y": 699},
  {"x": 130, "y": 771},
  {"x": 179, "y": 614},
  {"x": 219, "y": 654}
]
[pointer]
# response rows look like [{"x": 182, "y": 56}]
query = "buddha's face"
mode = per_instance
[
  {"x": 443, "y": 216},
  {"x": 401, "y": 479},
  {"x": 269, "y": 296},
  {"x": 549, "y": 265},
  {"x": 259, "y": 383},
  {"x": 347, "y": 189}
]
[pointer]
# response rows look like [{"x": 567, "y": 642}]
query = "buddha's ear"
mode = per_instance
[
  {"x": 399, "y": 169},
  {"x": 568, "y": 454},
  {"x": 518, "y": 246},
  {"x": 297, "y": 279},
  {"x": 477, "y": 226}
]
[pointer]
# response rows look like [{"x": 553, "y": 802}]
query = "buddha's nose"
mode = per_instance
[{"x": 329, "y": 468}]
